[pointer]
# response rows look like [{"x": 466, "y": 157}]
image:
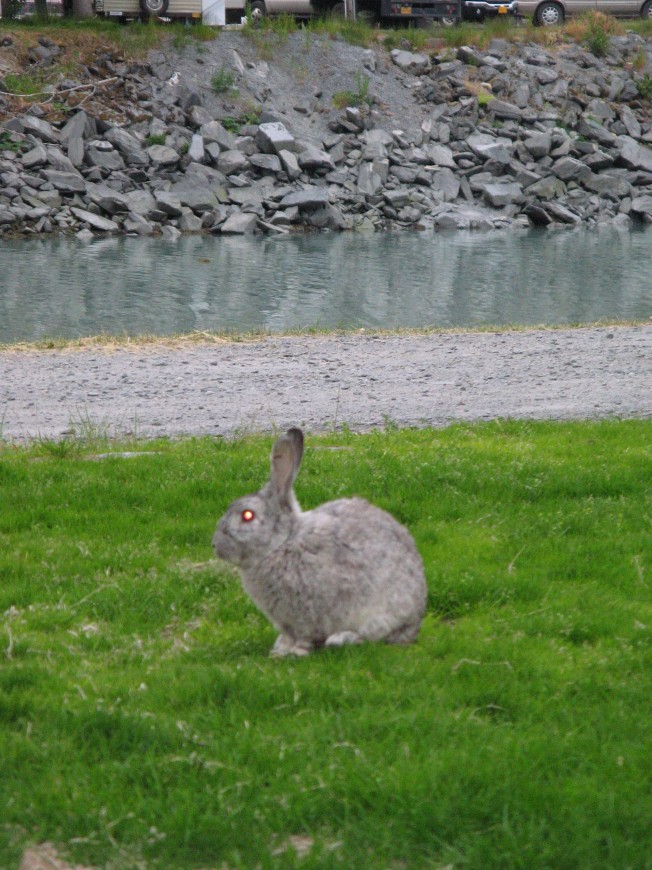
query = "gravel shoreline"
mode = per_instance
[{"x": 320, "y": 382}]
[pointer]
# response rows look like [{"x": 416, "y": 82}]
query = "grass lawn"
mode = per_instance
[{"x": 142, "y": 723}]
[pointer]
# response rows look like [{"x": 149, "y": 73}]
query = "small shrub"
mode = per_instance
[
  {"x": 640, "y": 59},
  {"x": 155, "y": 139},
  {"x": 231, "y": 124},
  {"x": 359, "y": 97},
  {"x": 644, "y": 87},
  {"x": 222, "y": 81},
  {"x": 8, "y": 144},
  {"x": 23, "y": 84},
  {"x": 597, "y": 41}
]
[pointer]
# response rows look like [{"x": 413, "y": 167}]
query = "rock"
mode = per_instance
[
  {"x": 239, "y": 224},
  {"x": 570, "y": 169},
  {"x": 312, "y": 159},
  {"x": 79, "y": 126},
  {"x": 290, "y": 164},
  {"x": 76, "y": 152},
  {"x": 36, "y": 157},
  {"x": 446, "y": 183},
  {"x": 169, "y": 204},
  {"x": 546, "y": 188},
  {"x": 128, "y": 146},
  {"x": 98, "y": 155},
  {"x": 102, "y": 224},
  {"x": 369, "y": 182},
  {"x": 539, "y": 143},
  {"x": 267, "y": 163},
  {"x": 327, "y": 217},
  {"x": 633, "y": 155},
  {"x": 196, "y": 151},
  {"x": 108, "y": 200},
  {"x": 170, "y": 233},
  {"x": 411, "y": 62},
  {"x": 215, "y": 132},
  {"x": 502, "y": 109},
  {"x": 163, "y": 156},
  {"x": 489, "y": 148},
  {"x": 198, "y": 116},
  {"x": 274, "y": 137},
  {"x": 441, "y": 155},
  {"x": 65, "y": 182},
  {"x": 189, "y": 223},
  {"x": 308, "y": 198},
  {"x": 198, "y": 197},
  {"x": 43, "y": 130},
  {"x": 140, "y": 203},
  {"x": 642, "y": 206},
  {"x": 58, "y": 160},
  {"x": 136, "y": 224},
  {"x": 609, "y": 186},
  {"x": 231, "y": 162},
  {"x": 499, "y": 195},
  {"x": 630, "y": 122}
]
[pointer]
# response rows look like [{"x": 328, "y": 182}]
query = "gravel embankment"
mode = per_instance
[{"x": 320, "y": 381}]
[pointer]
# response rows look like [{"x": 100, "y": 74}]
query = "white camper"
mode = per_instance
[{"x": 207, "y": 11}]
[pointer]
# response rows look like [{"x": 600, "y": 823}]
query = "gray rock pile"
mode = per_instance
[{"x": 515, "y": 135}]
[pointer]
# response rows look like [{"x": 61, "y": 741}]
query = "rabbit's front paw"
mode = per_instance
[{"x": 342, "y": 638}]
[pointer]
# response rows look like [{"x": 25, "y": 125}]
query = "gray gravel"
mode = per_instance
[{"x": 363, "y": 381}]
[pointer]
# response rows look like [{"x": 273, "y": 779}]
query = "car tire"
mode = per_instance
[
  {"x": 154, "y": 8},
  {"x": 646, "y": 11},
  {"x": 258, "y": 10},
  {"x": 549, "y": 14}
]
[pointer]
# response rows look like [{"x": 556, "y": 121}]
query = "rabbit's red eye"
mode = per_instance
[{"x": 247, "y": 516}]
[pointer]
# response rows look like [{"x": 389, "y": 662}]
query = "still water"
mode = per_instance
[{"x": 56, "y": 287}]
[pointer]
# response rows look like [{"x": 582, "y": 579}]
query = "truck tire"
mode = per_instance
[
  {"x": 258, "y": 10},
  {"x": 154, "y": 8}
]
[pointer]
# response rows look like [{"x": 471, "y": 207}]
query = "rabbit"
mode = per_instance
[{"x": 343, "y": 573}]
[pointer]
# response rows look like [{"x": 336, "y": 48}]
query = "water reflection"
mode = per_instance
[{"x": 60, "y": 287}]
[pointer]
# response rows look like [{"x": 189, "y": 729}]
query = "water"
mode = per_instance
[{"x": 57, "y": 287}]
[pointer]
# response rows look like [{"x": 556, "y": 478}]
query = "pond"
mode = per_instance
[{"x": 68, "y": 288}]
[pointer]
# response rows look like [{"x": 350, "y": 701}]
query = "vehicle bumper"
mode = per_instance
[{"x": 482, "y": 7}]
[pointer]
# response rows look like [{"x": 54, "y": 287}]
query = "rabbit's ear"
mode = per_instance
[{"x": 286, "y": 461}]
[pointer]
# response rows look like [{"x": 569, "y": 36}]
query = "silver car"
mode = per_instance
[{"x": 547, "y": 12}]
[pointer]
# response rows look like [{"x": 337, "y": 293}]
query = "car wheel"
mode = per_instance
[
  {"x": 646, "y": 11},
  {"x": 154, "y": 8},
  {"x": 549, "y": 14}
]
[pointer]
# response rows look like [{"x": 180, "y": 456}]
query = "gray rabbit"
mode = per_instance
[{"x": 345, "y": 572}]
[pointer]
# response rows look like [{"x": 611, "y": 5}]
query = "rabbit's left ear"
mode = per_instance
[{"x": 286, "y": 461}]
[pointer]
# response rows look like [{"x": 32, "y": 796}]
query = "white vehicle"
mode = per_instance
[{"x": 208, "y": 11}]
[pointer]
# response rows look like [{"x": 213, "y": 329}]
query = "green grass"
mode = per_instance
[{"x": 142, "y": 722}]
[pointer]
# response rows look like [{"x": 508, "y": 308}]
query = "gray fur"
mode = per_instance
[{"x": 345, "y": 572}]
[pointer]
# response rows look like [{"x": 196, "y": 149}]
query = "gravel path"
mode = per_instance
[{"x": 318, "y": 381}]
